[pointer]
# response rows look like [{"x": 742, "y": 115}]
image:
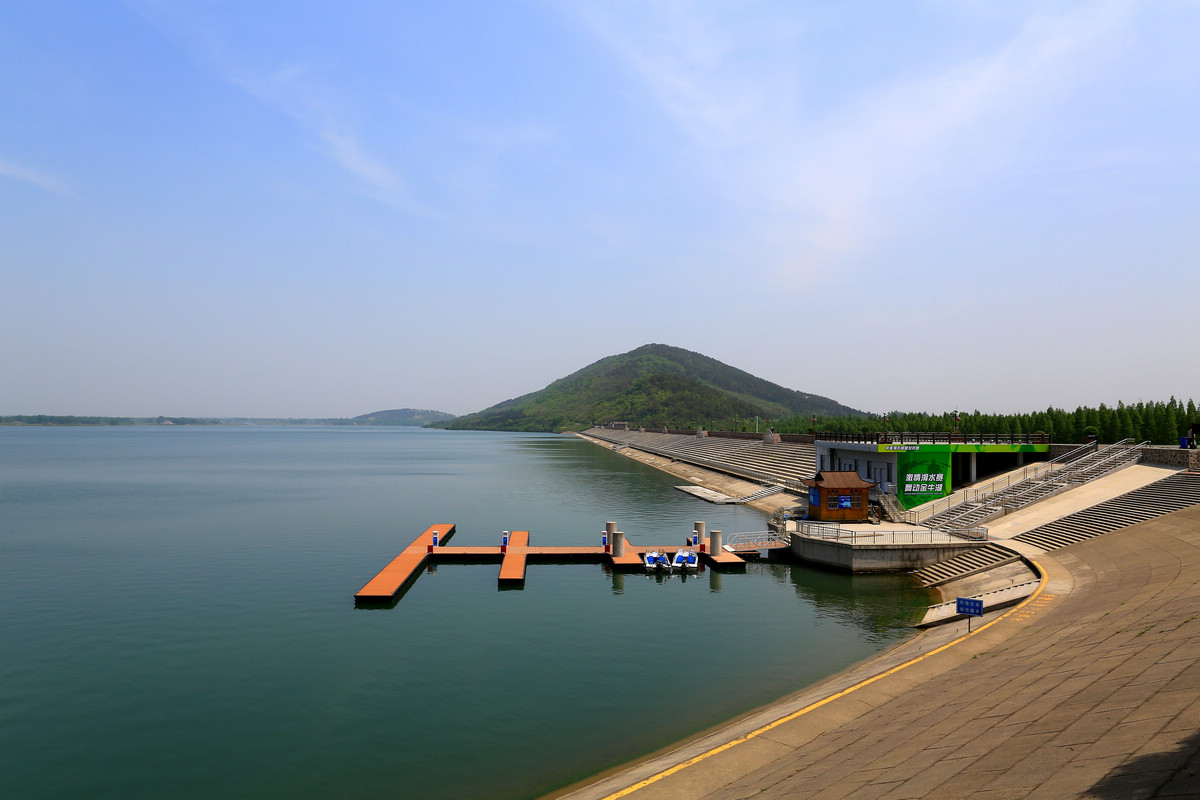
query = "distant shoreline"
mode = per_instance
[{"x": 67, "y": 421}]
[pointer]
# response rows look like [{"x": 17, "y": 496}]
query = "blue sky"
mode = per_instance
[{"x": 316, "y": 209}]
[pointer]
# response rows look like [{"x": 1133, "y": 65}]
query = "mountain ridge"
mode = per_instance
[
  {"x": 403, "y": 416},
  {"x": 655, "y": 385}
]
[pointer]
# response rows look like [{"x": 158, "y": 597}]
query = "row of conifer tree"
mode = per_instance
[{"x": 1157, "y": 422}]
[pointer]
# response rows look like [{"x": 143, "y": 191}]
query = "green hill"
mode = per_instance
[
  {"x": 653, "y": 386},
  {"x": 403, "y": 416}
]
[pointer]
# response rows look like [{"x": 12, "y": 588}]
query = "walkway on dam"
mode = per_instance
[{"x": 1091, "y": 688}]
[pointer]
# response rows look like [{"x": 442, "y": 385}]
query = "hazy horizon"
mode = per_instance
[{"x": 292, "y": 210}]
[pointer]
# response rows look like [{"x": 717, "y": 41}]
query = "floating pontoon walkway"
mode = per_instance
[
  {"x": 404, "y": 567},
  {"x": 514, "y": 556}
]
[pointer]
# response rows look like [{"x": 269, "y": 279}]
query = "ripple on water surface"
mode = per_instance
[{"x": 178, "y": 616}]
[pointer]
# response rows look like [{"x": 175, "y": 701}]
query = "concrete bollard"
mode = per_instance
[
  {"x": 714, "y": 542},
  {"x": 698, "y": 533},
  {"x": 618, "y": 543},
  {"x": 610, "y": 537}
]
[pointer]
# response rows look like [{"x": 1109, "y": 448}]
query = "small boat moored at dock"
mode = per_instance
[
  {"x": 686, "y": 560},
  {"x": 656, "y": 560}
]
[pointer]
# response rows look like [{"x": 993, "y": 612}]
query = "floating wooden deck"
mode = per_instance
[{"x": 393, "y": 579}]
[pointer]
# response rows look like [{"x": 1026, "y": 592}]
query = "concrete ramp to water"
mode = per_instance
[{"x": 709, "y": 495}]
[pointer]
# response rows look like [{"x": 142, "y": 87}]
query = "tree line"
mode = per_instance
[
  {"x": 61, "y": 419},
  {"x": 1156, "y": 422}
]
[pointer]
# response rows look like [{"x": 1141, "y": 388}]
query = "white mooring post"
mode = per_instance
[{"x": 714, "y": 540}]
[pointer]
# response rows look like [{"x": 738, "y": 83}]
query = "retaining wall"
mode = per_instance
[
  {"x": 1172, "y": 457},
  {"x": 874, "y": 557}
]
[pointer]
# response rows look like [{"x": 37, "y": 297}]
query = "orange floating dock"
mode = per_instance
[
  {"x": 393, "y": 579},
  {"x": 404, "y": 567},
  {"x": 722, "y": 557},
  {"x": 512, "y": 568}
]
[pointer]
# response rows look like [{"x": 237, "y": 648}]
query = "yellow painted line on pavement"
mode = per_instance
[{"x": 796, "y": 714}]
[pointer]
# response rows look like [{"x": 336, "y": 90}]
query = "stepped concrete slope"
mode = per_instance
[
  {"x": 753, "y": 459},
  {"x": 1090, "y": 688},
  {"x": 1081, "y": 468},
  {"x": 969, "y": 563},
  {"x": 1071, "y": 509},
  {"x": 1161, "y": 497}
]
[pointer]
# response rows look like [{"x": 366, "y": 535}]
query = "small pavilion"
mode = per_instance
[{"x": 838, "y": 496}]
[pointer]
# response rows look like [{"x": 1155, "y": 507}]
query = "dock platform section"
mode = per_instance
[
  {"x": 514, "y": 558},
  {"x": 722, "y": 558},
  {"x": 512, "y": 568},
  {"x": 403, "y": 568}
]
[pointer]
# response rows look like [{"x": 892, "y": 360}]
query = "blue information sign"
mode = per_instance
[{"x": 970, "y": 606}]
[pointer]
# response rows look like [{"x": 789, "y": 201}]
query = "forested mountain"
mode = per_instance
[
  {"x": 402, "y": 416},
  {"x": 655, "y": 385}
]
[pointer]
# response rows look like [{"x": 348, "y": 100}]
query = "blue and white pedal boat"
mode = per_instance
[{"x": 686, "y": 561}]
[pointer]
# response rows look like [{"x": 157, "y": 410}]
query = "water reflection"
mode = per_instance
[
  {"x": 215, "y": 569},
  {"x": 628, "y": 491},
  {"x": 875, "y": 604},
  {"x": 714, "y": 581}
]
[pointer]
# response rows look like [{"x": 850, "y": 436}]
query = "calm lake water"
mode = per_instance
[{"x": 177, "y": 616}]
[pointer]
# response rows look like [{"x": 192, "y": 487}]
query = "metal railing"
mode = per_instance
[
  {"x": 977, "y": 494},
  {"x": 1068, "y": 470},
  {"x": 933, "y": 437},
  {"x": 835, "y": 533},
  {"x": 757, "y": 540}
]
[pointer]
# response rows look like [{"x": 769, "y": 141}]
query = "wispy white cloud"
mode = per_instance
[
  {"x": 828, "y": 184},
  {"x": 348, "y": 151},
  {"x": 41, "y": 180},
  {"x": 718, "y": 75},
  {"x": 319, "y": 108}
]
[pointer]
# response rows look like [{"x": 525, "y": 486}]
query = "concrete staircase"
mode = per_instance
[
  {"x": 1060, "y": 478},
  {"x": 1170, "y": 494},
  {"x": 891, "y": 507},
  {"x": 976, "y": 560},
  {"x": 761, "y": 493}
]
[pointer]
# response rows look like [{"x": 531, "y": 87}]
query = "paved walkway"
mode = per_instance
[{"x": 1091, "y": 688}]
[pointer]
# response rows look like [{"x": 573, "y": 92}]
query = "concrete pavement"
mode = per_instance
[{"x": 1091, "y": 688}]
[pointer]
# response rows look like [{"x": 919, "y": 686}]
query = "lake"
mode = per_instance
[{"x": 177, "y": 615}]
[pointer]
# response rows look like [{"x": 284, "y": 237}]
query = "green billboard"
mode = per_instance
[
  {"x": 923, "y": 470},
  {"x": 923, "y": 474}
]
